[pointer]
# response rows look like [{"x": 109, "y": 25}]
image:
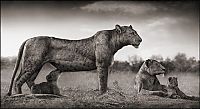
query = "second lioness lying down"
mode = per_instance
[{"x": 146, "y": 80}]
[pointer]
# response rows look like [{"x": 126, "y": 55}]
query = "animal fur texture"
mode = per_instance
[{"x": 95, "y": 52}]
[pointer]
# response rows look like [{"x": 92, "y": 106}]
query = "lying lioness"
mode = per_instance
[{"x": 146, "y": 80}]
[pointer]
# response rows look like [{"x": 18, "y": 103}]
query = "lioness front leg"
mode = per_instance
[
  {"x": 158, "y": 93},
  {"x": 103, "y": 78},
  {"x": 103, "y": 56},
  {"x": 138, "y": 84}
]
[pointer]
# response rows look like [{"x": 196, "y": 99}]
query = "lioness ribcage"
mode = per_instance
[{"x": 73, "y": 65}]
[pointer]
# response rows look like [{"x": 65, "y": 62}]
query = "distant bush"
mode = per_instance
[
  {"x": 135, "y": 62},
  {"x": 169, "y": 65},
  {"x": 135, "y": 67},
  {"x": 7, "y": 62},
  {"x": 180, "y": 63},
  {"x": 184, "y": 64},
  {"x": 121, "y": 66}
]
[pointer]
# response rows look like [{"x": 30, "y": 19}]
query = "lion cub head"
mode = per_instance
[
  {"x": 172, "y": 82},
  {"x": 53, "y": 77}
]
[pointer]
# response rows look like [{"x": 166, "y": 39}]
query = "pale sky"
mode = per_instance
[{"x": 165, "y": 27}]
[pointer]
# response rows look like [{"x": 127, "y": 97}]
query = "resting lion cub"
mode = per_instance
[
  {"x": 49, "y": 87},
  {"x": 173, "y": 90}
]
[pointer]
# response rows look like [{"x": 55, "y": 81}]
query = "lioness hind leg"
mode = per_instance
[
  {"x": 17, "y": 86},
  {"x": 21, "y": 80},
  {"x": 30, "y": 81}
]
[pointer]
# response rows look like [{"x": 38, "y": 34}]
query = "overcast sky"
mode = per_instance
[{"x": 165, "y": 27}]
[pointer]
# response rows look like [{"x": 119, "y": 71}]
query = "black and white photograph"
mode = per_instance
[{"x": 100, "y": 54}]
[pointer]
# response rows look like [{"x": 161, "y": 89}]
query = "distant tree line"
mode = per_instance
[
  {"x": 8, "y": 62},
  {"x": 180, "y": 63}
]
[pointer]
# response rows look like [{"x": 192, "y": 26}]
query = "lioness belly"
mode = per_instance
[{"x": 73, "y": 65}]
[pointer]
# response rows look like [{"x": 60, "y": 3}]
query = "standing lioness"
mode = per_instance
[{"x": 95, "y": 52}]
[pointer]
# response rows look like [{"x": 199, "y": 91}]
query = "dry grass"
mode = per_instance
[
  {"x": 76, "y": 98},
  {"x": 78, "y": 89}
]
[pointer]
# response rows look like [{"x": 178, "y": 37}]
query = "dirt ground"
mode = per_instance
[
  {"x": 78, "y": 93},
  {"x": 76, "y": 98}
]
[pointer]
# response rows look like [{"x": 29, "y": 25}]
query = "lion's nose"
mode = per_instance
[
  {"x": 164, "y": 69},
  {"x": 140, "y": 40}
]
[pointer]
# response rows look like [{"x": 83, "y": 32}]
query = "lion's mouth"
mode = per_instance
[
  {"x": 136, "y": 45},
  {"x": 162, "y": 73}
]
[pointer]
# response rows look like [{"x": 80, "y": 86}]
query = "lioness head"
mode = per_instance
[
  {"x": 172, "y": 82},
  {"x": 128, "y": 35},
  {"x": 154, "y": 67}
]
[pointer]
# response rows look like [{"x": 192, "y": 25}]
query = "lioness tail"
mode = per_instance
[{"x": 16, "y": 67}]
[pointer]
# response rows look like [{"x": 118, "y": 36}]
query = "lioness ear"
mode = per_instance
[
  {"x": 169, "y": 78},
  {"x": 48, "y": 78},
  {"x": 130, "y": 27},
  {"x": 148, "y": 61},
  {"x": 118, "y": 28}
]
